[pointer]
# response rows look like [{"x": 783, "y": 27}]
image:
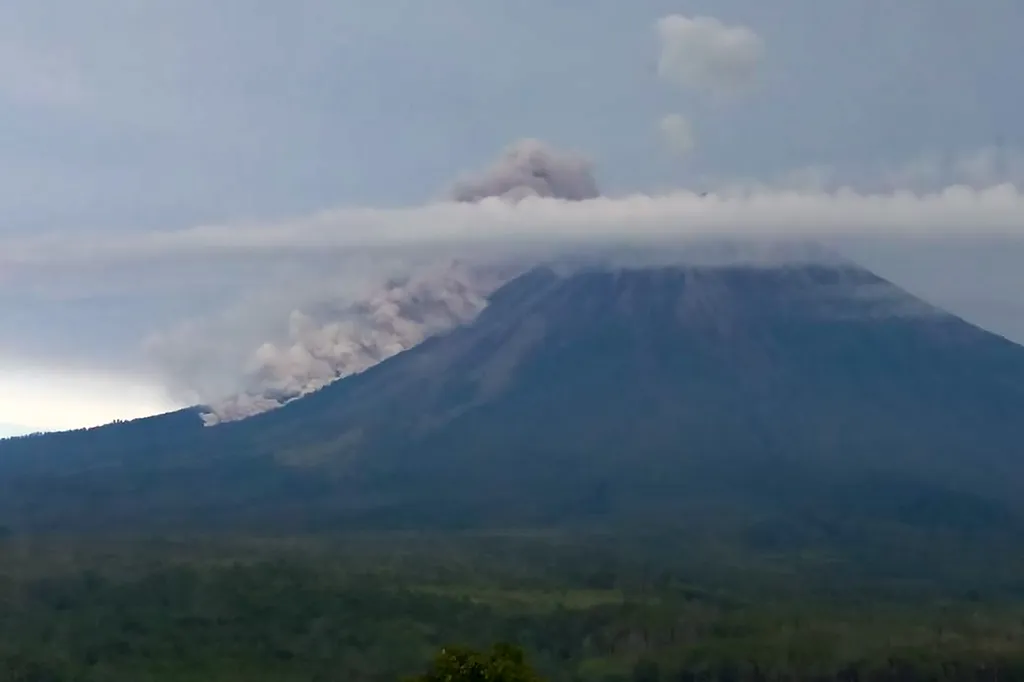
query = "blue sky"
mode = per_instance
[{"x": 121, "y": 118}]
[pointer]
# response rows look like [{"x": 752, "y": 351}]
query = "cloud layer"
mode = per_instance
[
  {"x": 325, "y": 296},
  {"x": 493, "y": 222}
]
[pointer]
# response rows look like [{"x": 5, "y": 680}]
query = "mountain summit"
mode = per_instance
[{"x": 595, "y": 395}]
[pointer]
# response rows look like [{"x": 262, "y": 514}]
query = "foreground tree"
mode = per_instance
[{"x": 503, "y": 663}]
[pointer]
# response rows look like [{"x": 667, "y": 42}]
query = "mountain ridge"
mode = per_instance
[{"x": 597, "y": 395}]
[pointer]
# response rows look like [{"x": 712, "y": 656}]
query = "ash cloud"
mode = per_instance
[
  {"x": 356, "y": 308},
  {"x": 331, "y": 338},
  {"x": 340, "y": 333},
  {"x": 530, "y": 168},
  {"x": 338, "y": 337}
]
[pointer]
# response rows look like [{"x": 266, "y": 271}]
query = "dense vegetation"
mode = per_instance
[
  {"x": 741, "y": 473},
  {"x": 354, "y": 608},
  {"x": 503, "y": 663}
]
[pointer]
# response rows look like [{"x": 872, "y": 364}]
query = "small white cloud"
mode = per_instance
[
  {"x": 678, "y": 133},
  {"x": 703, "y": 53}
]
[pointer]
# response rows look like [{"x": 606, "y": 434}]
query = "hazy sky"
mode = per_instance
[{"x": 122, "y": 119}]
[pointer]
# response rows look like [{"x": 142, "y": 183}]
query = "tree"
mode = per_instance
[
  {"x": 646, "y": 670},
  {"x": 503, "y": 663}
]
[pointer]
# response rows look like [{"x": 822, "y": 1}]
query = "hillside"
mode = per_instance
[{"x": 602, "y": 396}]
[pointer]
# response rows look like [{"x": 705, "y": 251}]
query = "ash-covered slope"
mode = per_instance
[
  {"x": 597, "y": 395},
  {"x": 652, "y": 388}
]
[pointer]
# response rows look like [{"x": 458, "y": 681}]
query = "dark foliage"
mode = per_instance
[
  {"x": 378, "y": 609},
  {"x": 735, "y": 474},
  {"x": 503, "y": 663}
]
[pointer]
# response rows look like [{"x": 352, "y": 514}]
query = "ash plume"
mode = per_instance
[
  {"x": 260, "y": 356},
  {"x": 336, "y": 338},
  {"x": 330, "y": 340},
  {"x": 530, "y": 168}
]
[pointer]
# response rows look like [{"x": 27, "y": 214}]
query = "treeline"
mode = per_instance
[
  {"x": 303, "y": 620},
  {"x": 890, "y": 670},
  {"x": 508, "y": 663}
]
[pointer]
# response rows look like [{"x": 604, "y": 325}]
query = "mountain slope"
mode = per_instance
[
  {"x": 597, "y": 396},
  {"x": 646, "y": 381}
]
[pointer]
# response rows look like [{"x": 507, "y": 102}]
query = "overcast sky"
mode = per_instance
[{"x": 122, "y": 119}]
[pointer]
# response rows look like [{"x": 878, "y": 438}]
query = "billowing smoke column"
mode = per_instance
[
  {"x": 336, "y": 340},
  {"x": 530, "y": 168}
]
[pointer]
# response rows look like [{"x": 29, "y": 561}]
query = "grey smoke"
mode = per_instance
[
  {"x": 342, "y": 331},
  {"x": 338, "y": 337},
  {"x": 530, "y": 168},
  {"x": 330, "y": 340}
]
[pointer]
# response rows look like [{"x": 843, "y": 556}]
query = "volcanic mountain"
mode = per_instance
[{"x": 594, "y": 395}]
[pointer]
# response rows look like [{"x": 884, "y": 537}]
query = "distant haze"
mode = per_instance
[{"x": 8, "y": 430}]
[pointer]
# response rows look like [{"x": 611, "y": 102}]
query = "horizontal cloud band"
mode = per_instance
[{"x": 957, "y": 210}]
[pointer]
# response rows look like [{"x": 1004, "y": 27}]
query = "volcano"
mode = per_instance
[{"x": 594, "y": 395}]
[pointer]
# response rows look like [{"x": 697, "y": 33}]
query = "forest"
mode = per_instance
[{"x": 560, "y": 606}]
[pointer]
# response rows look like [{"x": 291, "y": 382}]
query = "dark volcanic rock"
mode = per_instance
[{"x": 604, "y": 395}]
